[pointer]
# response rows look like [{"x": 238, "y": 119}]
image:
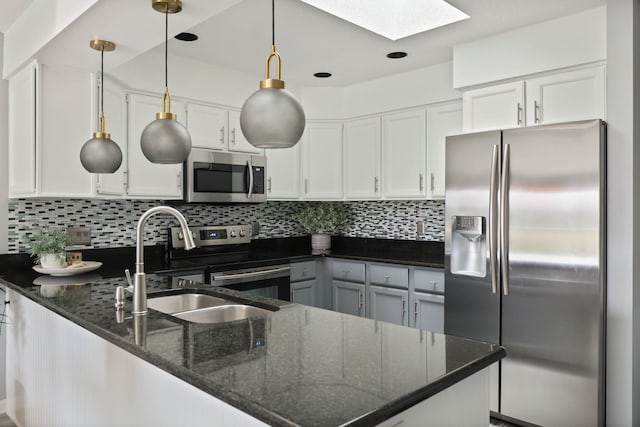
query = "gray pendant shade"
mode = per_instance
[
  {"x": 272, "y": 118},
  {"x": 101, "y": 155},
  {"x": 165, "y": 141}
]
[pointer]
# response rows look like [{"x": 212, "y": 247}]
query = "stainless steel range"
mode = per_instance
[{"x": 223, "y": 255}]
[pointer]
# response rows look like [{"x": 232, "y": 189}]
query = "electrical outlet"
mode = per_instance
[
  {"x": 79, "y": 235},
  {"x": 421, "y": 227}
]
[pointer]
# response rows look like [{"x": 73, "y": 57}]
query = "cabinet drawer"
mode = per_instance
[
  {"x": 389, "y": 276},
  {"x": 303, "y": 271},
  {"x": 350, "y": 271},
  {"x": 429, "y": 280}
]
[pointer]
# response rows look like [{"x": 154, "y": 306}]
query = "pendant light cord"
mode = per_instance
[
  {"x": 273, "y": 23},
  {"x": 166, "y": 47},
  {"x": 102, "y": 80}
]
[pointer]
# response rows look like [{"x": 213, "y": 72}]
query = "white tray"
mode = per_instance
[{"x": 67, "y": 271}]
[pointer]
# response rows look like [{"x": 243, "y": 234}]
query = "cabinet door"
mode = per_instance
[
  {"x": 146, "y": 179},
  {"x": 283, "y": 173},
  {"x": 207, "y": 126},
  {"x": 304, "y": 292},
  {"x": 322, "y": 161},
  {"x": 115, "y": 112},
  {"x": 389, "y": 305},
  {"x": 428, "y": 312},
  {"x": 563, "y": 97},
  {"x": 403, "y": 155},
  {"x": 442, "y": 121},
  {"x": 348, "y": 297},
  {"x": 22, "y": 132},
  {"x": 362, "y": 159},
  {"x": 237, "y": 141},
  {"x": 495, "y": 107}
]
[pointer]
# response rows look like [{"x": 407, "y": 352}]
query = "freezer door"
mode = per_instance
[
  {"x": 472, "y": 309},
  {"x": 553, "y": 314}
]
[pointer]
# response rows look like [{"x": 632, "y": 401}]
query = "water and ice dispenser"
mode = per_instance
[{"x": 468, "y": 246}]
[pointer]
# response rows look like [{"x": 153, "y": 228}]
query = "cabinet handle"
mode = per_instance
[
  {"x": 519, "y": 114},
  {"x": 434, "y": 284},
  {"x": 404, "y": 308},
  {"x": 415, "y": 313},
  {"x": 536, "y": 109},
  {"x": 233, "y": 136},
  {"x": 360, "y": 302},
  {"x": 222, "y": 135},
  {"x": 375, "y": 184},
  {"x": 433, "y": 182},
  {"x": 386, "y": 279},
  {"x": 421, "y": 181},
  {"x": 269, "y": 185},
  {"x": 179, "y": 180},
  {"x": 306, "y": 186},
  {"x": 125, "y": 180}
]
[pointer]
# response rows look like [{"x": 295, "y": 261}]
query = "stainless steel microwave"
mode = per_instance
[{"x": 216, "y": 177}]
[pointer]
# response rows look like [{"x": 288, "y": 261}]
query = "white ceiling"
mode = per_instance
[{"x": 310, "y": 40}]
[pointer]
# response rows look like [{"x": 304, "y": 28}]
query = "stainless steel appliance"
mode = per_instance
[
  {"x": 220, "y": 249},
  {"x": 216, "y": 177},
  {"x": 525, "y": 264}
]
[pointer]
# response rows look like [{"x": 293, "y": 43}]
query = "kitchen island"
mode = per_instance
[{"x": 298, "y": 365}]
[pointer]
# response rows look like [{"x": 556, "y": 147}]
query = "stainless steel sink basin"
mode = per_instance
[
  {"x": 223, "y": 313},
  {"x": 183, "y": 302},
  {"x": 201, "y": 308}
]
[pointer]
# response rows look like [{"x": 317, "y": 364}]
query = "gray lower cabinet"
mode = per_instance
[
  {"x": 304, "y": 292},
  {"x": 428, "y": 311},
  {"x": 348, "y": 297},
  {"x": 389, "y": 305}
]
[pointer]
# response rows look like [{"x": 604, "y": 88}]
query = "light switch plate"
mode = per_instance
[{"x": 79, "y": 235}]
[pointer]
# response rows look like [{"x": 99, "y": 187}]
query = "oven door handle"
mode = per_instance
[
  {"x": 250, "y": 192},
  {"x": 251, "y": 274}
]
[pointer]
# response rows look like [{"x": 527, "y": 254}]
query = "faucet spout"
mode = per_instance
[{"x": 139, "y": 282}]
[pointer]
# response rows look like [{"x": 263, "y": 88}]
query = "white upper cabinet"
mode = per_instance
[
  {"x": 146, "y": 179},
  {"x": 237, "y": 141},
  {"x": 50, "y": 118},
  {"x": 403, "y": 155},
  {"x": 362, "y": 159},
  {"x": 494, "y": 107},
  {"x": 207, "y": 125},
  {"x": 578, "y": 94},
  {"x": 22, "y": 132},
  {"x": 115, "y": 112},
  {"x": 283, "y": 173},
  {"x": 563, "y": 97},
  {"x": 321, "y": 156},
  {"x": 442, "y": 121}
]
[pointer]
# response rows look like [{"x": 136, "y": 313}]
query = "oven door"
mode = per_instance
[
  {"x": 271, "y": 281},
  {"x": 215, "y": 177}
]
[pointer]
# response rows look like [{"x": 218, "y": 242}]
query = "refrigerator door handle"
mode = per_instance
[
  {"x": 504, "y": 218},
  {"x": 493, "y": 218}
]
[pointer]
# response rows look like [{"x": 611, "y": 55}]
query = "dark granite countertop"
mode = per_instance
[{"x": 312, "y": 367}]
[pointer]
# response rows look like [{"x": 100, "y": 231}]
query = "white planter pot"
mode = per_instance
[
  {"x": 52, "y": 261},
  {"x": 320, "y": 242}
]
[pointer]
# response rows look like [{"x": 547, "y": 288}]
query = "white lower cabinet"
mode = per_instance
[
  {"x": 304, "y": 292},
  {"x": 348, "y": 297},
  {"x": 428, "y": 311},
  {"x": 389, "y": 305}
]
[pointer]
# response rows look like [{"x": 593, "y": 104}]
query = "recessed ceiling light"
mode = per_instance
[
  {"x": 396, "y": 55},
  {"x": 322, "y": 75},
  {"x": 187, "y": 37},
  {"x": 392, "y": 19}
]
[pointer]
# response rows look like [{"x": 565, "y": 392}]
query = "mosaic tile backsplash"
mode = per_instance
[{"x": 113, "y": 222}]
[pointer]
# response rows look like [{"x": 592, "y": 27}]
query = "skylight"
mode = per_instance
[{"x": 393, "y": 19}]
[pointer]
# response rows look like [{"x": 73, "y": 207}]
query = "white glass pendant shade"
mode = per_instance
[
  {"x": 272, "y": 118},
  {"x": 165, "y": 141},
  {"x": 101, "y": 155}
]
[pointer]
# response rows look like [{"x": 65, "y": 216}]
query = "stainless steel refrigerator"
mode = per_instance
[{"x": 525, "y": 264}]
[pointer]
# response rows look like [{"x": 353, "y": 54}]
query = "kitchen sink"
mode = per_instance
[{"x": 201, "y": 308}]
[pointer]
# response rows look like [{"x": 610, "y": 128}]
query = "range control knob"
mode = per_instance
[
  {"x": 232, "y": 233},
  {"x": 242, "y": 233}
]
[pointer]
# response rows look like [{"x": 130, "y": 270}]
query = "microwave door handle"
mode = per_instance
[{"x": 250, "y": 192}]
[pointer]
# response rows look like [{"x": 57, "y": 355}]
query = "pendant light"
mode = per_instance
[
  {"x": 165, "y": 140},
  {"x": 272, "y": 117},
  {"x": 100, "y": 154}
]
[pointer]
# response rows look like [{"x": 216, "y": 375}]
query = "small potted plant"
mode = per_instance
[
  {"x": 321, "y": 220},
  {"x": 48, "y": 247}
]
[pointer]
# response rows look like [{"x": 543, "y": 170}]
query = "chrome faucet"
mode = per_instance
[{"x": 139, "y": 286}]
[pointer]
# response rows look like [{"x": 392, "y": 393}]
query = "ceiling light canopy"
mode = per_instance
[{"x": 393, "y": 19}]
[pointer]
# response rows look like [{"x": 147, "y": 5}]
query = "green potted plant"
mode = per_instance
[
  {"x": 48, "y": 246},
  {"x": 321, "y": 219}
]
